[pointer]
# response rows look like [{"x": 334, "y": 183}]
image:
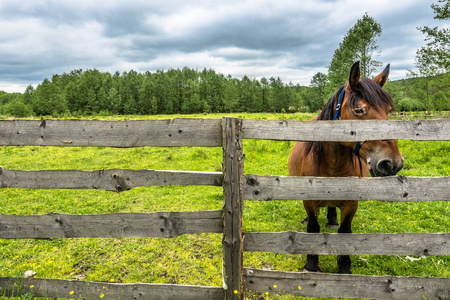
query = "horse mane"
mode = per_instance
[{"x": 366, "y": 89}]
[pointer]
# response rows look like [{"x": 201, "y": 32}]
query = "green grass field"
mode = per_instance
[{"x": 197, "y": 259}]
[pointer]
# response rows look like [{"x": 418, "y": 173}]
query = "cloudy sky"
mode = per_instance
[{"x": 290, "y": 39}]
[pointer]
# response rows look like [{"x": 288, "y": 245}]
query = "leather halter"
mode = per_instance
[{"x": 337, "y": 116}]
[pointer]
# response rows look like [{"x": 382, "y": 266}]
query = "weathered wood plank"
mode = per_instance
[
  {"x": 347, "y": 131},
  {"x": 291, "y": 242},
  {"x": 346, "y": 286},
  {"x": 233, "y": 177},
  {"x": 73, "y": 289},
  {"x": 157, "y": 224},
  {"x": 110, "y": 180},
  {"x": 392, "y": 188},
  {"x": 135, "y": 133}
]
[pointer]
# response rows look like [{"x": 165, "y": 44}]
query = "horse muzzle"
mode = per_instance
[{"x": 384, "y": 167}]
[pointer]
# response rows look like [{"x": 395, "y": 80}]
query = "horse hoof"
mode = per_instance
[
  {"x": 332, "y": 226},
  {"x": 305, "y": 221}
]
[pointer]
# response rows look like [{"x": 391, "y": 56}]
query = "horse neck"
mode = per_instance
[{"x": 339, "y": 160}]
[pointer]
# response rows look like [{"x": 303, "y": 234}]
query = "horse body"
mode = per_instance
[{"x": 362, "y": 99}]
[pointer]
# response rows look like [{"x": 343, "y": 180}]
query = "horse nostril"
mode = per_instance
[{"x": 385, "y": 167}]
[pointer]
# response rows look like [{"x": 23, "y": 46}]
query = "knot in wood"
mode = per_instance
[
  {"x": 252, "y": 181},
  {"x": 291, "y": 237}
]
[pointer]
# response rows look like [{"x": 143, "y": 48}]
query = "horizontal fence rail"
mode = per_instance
[
  {"x": 291, "y": 242},
  {"x": 117, "y": 180},
  {"x": 346, "y": 131},
  {"x": 75, "y": 289},
  {"x": 119, "y": 225},
  {"x": 391, "y": 188},
  {"x": 207, "y": 132},
  {"x": 122, "y": 134},
  {"x": 346, "y": 286}
]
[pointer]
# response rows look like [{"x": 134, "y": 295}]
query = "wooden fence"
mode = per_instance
[{"x": 227, "y": 133}]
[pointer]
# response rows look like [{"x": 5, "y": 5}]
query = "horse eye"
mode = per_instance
[{"x": 359, "y": 111}]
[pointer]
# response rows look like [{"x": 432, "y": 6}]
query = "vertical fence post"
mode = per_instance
[{"x": 233, "y": 174}]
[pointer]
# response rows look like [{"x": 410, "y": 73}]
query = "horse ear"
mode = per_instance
[
  {"x": 383, "y": 76},
  {"x": 355, "y": 75}
]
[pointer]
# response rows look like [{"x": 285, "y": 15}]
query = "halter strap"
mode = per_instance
[
  {"x": 337, "y": 116},
  {"x": 356, "y": 150}
]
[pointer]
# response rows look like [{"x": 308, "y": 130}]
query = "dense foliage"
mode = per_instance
[
  {"x": 91, "y": 92},
  {"x": 88, "y": 92},
  {"x": 435, "y": 56}
]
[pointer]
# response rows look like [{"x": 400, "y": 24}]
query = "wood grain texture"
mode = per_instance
[
  {"x": 117, "y": 180},
  {"x": 157, "y": 224},
  {"x": 123, "y": 134},
  {"x": 233, "y": 177},
  {"x": 346, "y": 286},
  {"x": 346, "y": 130},
  {"x": 74, "y": 289},
  {"x": 291, "y": 242},
  {"x": 392, "y": 188}
]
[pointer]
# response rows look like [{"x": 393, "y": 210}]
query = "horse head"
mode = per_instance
[{"x": 364, "y": 99}]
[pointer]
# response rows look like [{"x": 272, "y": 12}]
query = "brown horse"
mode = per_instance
[{"x": 359, "y": 99}]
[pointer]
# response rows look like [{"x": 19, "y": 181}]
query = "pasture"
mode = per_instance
[{"x": 197, "y": 259}]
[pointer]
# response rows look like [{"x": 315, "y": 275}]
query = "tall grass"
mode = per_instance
[{"x": 197, "y": 259}]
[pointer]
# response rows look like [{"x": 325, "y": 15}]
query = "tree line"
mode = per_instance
[
  {"x": 175, "y": 91},
  {"x": 188, "y": 91}
]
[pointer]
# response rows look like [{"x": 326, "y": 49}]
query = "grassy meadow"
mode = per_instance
[{"x": 197, "y": 259}]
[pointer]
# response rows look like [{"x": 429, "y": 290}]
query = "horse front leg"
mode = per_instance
[
  {"x": 348, "y": 211},
  {"x": 312, "y": 261},
  {"x": 332, "y": 218}
]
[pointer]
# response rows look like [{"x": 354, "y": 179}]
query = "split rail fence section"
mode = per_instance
[{"x": 227, "y": 133}]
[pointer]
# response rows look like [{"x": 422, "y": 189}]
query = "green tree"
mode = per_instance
[
  {"x": 18, "y": 109},
  {"x": 359, "y": 43},
  {"x": 231, "y": 95},
  {"x": 48, "y": 100},
  {"x": 154, "y": 105},
  {"x": 265, "y": 89},
  {"x": 318, "y": 93},
  {"x": 28, "y": 95},
  {"x": 439, "y": 101},
  {"x": 437, "y": 50},
  {"x": 434, "y": 58},
  {"x": 146, "y": 95},
  {"x": 115, "y": 101},
  {"x": 279, "y": 95}
]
